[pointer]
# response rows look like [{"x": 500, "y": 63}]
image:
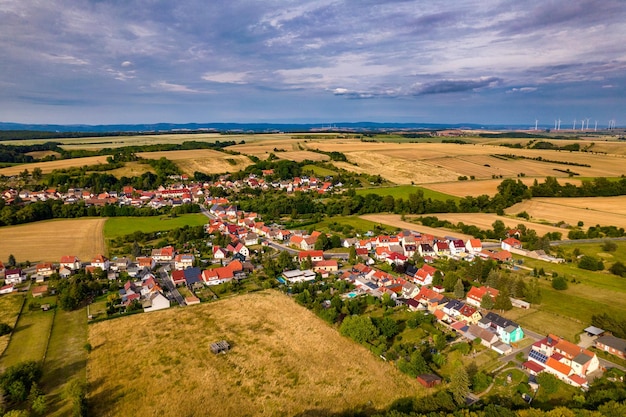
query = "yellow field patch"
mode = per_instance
[
  {"x": 480, "y": 187},
  {"x": 49, "y": 240},
  {"x": 49, "y": 166},
  {"x": 605, "y": 211},
  {"x": 485, "y": 221},
  {"x": 131, "y": 169},
  {"x": 202, "y": 160},
  {"x": 284, "y": 361},
  {"x": 43, "y": 154}
]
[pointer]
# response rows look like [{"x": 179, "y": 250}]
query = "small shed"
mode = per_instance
[
  {"x": 220, "y": 347},
  {"x": 594, "y": 331},
  {"x": 429, "y": 380}
]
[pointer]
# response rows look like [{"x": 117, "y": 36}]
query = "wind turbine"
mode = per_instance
[
  {"x": 559, "y": 128},
  {"x": 536, "y": 123},
  {"x": 587, "y": 123},
  {"x": 574, "y": 125},
  {"x": 595, "y": 129}
]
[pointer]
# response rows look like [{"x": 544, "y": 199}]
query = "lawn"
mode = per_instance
[
  {"x": 10, "y": 306},
  {"x": 279, "y": 363},
  {"x": 120, "y": 226},
  {"x": 403, "y": 191},
  {"x": 66, "y": 359},
  {"x": 30, "y": 336},
  {"x": 319, "y": 171}
]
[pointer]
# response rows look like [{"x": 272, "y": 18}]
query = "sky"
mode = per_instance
[{"x": 323, "y": 61}]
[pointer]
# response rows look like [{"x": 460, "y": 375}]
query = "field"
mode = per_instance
[
  {"x": 66, "y": 359},
  {"x": 279, "y": 364},
  {"x": 606, "y": 211},
  {"x": 489, "y": 187},
  {"x": 485, "y": 220},
  {"x": 403, "y": 191},
  {"x": 203, "y": 160},
  {"x": 395, "y": 220},
  {"x": 49, "y": 240},
  {"x": 120, "y": 226},
  {"x": 30, "y": 336},
  {"x": 131, "y": 169},
  {"x": 359, "y": 224},
  {"x": 319, "y": 171},
  {"x": 49, "y": 166},
  {"x": 10, "y": 306}
]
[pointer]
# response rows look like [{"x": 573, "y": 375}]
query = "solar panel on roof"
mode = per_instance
[{"x": 538, "y": 356}]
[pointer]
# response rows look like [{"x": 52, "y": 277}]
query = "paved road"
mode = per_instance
[
  {"x": 167, "y": 283},
  {"x": 575, "y": 241}
]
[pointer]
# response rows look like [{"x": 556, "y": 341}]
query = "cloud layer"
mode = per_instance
[{"x": 291, "y": 60}]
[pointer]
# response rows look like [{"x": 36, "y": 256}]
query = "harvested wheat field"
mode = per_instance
[
  {"x": 49, "y": 240},
  {"x": 132, "y": 169},
  {"x": 489, "y": 187},
  {"x": 49, "y": 166},
  {"x": 605, "y": 211},
  {"x": 203, "y": 160},
  {"x": 395, "y": 220},
  {"x": 284, "y": 361},
  {"x": 485, "y": 220}
]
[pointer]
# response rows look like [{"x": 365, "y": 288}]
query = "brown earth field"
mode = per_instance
[
  {"x": 203, "y": 160},
  {"x": 49, "y": 240},
  {"x": 605, "y": 211},
  {"x": 489, "y": 187},
  {"x": 395, "y": 220},
  {"x": 284, "y": 361},
  {"x": 49, "y": 166},
  {"x": 485, "y": 220}
]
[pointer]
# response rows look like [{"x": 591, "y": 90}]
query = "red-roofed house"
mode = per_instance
[
  {"x": 511, "y": 243},
  {"x": 146, "y": 261},
  {"x": 325, "y": 266},
  {"x": 70, "y": 262},
  {"x": 45, "y": 269},
  {"x": 164, "y": 254},
  {"x": 184, "y": 261},
  {"x": 473, "y": 246},
  {"x": 316, "y": 255},
  {"x": 475, "y": 295},
  {"x": 178, "y": 277},
  {"x": 100, "y": 261}
]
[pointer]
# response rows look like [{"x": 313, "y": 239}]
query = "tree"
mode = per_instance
[
  {"x": 503, "y": 300},
  {"x": 11, "y": 262},
  {"x": 352, "y": 255},
  {"x": 533, "y": 292},
  {"x": 37, "y": 174},
  {"x": 285, "y": 260},
  {"x": 5, "y": 329},
  {"x": 548, "y": 382},
  {"x": 486, "y": 302},
  {"x": 459, "y": 290},
  {"x": 136, "y": 250},
  {"x": 590, "y": 263},
  {"x": 359, "y": 328},
  {"x": 460, "y": 385},
  {"x": 414, "y": 366},
  {"x": 559, "y": 283},
  {"x": 387, "y": 327},
  {"x": 618, "y": 269},
  {"x": 609, "y": 246}
]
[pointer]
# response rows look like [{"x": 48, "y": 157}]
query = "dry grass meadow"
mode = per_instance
[
  {"x": 480, "y": 187},
  {"x": 485, "y": 220},
  {"x": 605, "y": 211},
  {"x": 284, "y": 361},
  {"x": 203, "y": 160},
  {"x": 395, "y": 220},
  {"x": 49, "y": 240},
  {"x": 49, "y": 166}
]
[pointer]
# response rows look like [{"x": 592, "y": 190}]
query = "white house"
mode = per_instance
[
  {"x": 70, "y": 262},
  {"x": 156, "y": 302},
  {"x": 14, "y": 276}
]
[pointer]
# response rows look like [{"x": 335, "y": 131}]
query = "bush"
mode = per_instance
[
  {"x": 618, "y": 269},
  {"x": 17, "y": 380},
  {"x": 5, "y": 329},
  {"x": 559, "y": 283},
  {"x": 609, "y": 246},
  {"x": 590, "y": 263}
]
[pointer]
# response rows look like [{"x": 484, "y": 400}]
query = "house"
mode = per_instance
[
  {"x": 395, "y": 258},
  {"x": 469, "y": 314},
  {"x": 456, "y": 246},
  {"x": 613, "y": 345},
  {"x": 325, "y": 266},
  {"x": 39, "y": 291},
  {"x": 507, "y": 330},
  {"x": 14, "y": 276},
  {"x": 165, "y": 254},
  {"x": 65, "y": 272},
  {"x": 146, "y": 262},
  {"x": 7, "y": 289},
  {"x": 184, "y": 261},
  {"x": 442, "y": 248},
  {"x": 178, "y": 277},
  {"x": 510, "y": 243},
  {"x": 157, "y": 301},
  {"x": 192, "y": 278},
  {"x": 192, "y": 300},
  {"x": 426, "y": 249},
  {"x": 252, "y": 238},
  {"x": 316, "y": 255},
  {"x": 119, "y": 264},
  {"x": 223, "y": 274},
  {"x": 45, "y": 269},
  {"x": 429, "y": 380},
  {"x": 299, "y": 276},
  {"x": 473, "y": 246},
  {"x": 486, "y": 336},
  {"x": 100, "y": 261},
  {"x": 70, "y": 262},
  {"x": 475, "y": 295},
  {"x": 219, "y": 253}
]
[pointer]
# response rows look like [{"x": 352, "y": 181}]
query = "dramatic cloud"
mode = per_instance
[{"x": 286, "y": 60}]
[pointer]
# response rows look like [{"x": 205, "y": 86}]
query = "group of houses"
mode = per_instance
[{"x": 264, "y": 182}]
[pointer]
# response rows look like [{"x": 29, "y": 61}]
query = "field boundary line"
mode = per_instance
[
  {"x": 14, "y": 326},
  {"x": 45, "y": 353}
]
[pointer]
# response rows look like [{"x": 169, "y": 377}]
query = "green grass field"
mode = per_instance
[
  {"x": 358, "y": 225},
  {"x": 319, "y": 171},
  {"x": 66, "y": 359},
  {"x": 120, "y": 226},
  {"x": 10, "y": 306},
  {"x": 30, "y": 336},
  {"x": 403, "y": 191}
]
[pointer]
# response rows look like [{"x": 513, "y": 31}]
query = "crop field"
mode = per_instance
[
  {"x": 278, "y": 364},
  {"x": 395, "y": 220},
  {"x": 10, "y": 305},
  {"x": 485, "y": 220},
  {"x": 49, "y": 240},
  {"x": 606, "y": 211},
  {"x": 403, "y": 191},
  {"x": 203, "y": 160},
  {"x": 49, "y": 166},
  {"x": 131, "y": 169},
  {"x": 120, "y": 226},
  {"x": 42, "y": 154},
  {"x": 489, "y": 187},
  {"x": 319, "y": 171}
]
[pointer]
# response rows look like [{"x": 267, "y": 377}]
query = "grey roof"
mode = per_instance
[
  {"x": 192, "y": 275},
  {"x": 614, "y": 342},
  {"x": 582, "y": 358},
  {"x": 500, "y": 321},
  {"x": 596, "y": 331}
]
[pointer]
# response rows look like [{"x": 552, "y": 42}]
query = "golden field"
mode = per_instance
[
  {"x": 284, "y": 361},
  {"x": 49, "y": 166},
  {"x": 203, "y": 160},
  {"x": 480, "y": 187},
  {"x": 605, "y": 211},
  {"x": 49, "y": 240},
  {"x": 485, "y": 220},
  {"x": 395, "y": 220}
]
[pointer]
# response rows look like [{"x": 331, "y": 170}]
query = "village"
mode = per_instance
[{"x": 169, "y": 277}]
